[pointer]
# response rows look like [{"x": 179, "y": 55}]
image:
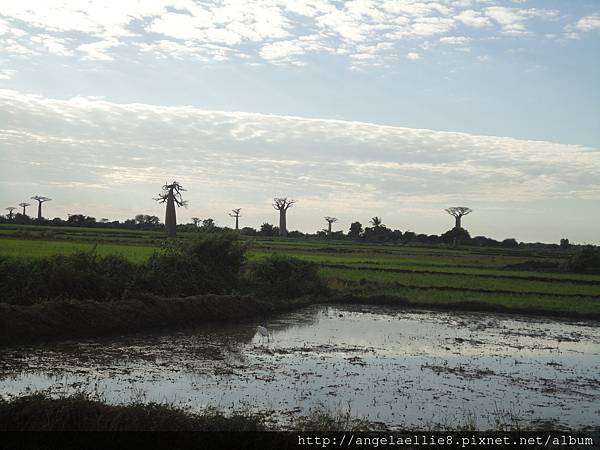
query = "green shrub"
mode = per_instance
[
  {"x": 81, "y": 275},
  {"x": 282, "y": 276},
  {"x": 585, "y": 261},
  {"x": 212, "y": 264}
]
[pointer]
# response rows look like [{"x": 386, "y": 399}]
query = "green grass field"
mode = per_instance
[{"x": 421, "y": 274}]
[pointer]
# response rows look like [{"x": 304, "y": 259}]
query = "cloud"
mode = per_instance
[
  {"x": 588, "y": 23},
  {"x": 99, "y": 50},
  {"x": 52, "y": 44},
  {"x": 455, "y": 40},
  {"x": 276, "y": 31},
  {"x": 413, "y": 56},
  {"x": 473, "y": 19},
  {"x": 233, "y": 157},
  {"x": 7, "y": 74},
  {"x": 513, "y": 20}
]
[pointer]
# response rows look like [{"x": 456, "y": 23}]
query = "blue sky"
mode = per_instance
[{"x": 359, "y": 108}]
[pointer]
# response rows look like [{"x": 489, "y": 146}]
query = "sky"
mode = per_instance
[{"x": 394, "y": 108}]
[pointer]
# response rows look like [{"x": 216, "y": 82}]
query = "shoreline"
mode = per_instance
[{"x": 84, "y": 319}]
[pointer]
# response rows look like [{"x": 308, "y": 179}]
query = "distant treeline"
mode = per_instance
[{"x": 378, "y": 233}]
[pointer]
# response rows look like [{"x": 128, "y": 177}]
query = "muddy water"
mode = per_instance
[{"x": 396, "y": 367}]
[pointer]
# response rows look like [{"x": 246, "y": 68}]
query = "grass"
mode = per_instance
[
  {"x": 464, "y": 281},
  {"x": 87, "y": 412},
  {"x": 24, "y": 248},
  {"x": 433, "y": 276},
  {"x": 82, "y": 412},
  {"x": 65, "y": 319}
]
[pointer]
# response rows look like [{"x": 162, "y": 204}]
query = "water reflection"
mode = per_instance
[{"x": 393, "y": 366}]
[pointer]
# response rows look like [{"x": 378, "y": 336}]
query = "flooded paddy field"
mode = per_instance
[{"x": 400, "y": 368}]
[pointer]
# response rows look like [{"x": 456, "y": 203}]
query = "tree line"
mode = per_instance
[{"x": 171, "y": 196}]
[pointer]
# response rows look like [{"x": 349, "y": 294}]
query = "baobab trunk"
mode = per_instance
[
  {"x": 39, "y": 210},
  {"x": 171, "y": 195},
  {"x": 282, "y": 223},
  {"x": 237, "y": 223},
  {"x": 282, "y": 204},
  {"x": 170, "y": 216},
  {"x": 458, "y": 222}
]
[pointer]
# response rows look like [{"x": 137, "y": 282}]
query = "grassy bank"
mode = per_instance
[
  {"x": 82, "y": 413},
  {"x": 67, "y": 319},
  {"x": 72, "y": 319},
  {"x": 57, "y": 292}
]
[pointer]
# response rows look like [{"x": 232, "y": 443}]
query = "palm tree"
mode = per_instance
[{"x": 376, "y": 222}]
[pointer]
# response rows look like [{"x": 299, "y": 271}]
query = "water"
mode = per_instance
[{"x": 396, "y": 367}]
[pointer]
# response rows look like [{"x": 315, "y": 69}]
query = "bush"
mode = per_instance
[
  {"x": 282, "y": 276},
  {"x": 212, "y": 264},
  {"x": 82, "y": 275},
  {"x": 585, "y": 261},
  {"x": 456, "y": 236}
]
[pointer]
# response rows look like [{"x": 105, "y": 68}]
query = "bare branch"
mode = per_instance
[
  {"x": 174, "y": 190},
  {"x": 235, "y": 212},
  {"x": 282, "y": 203},
  {"x": 40, "y": 198},
  {"x": 458, "y": 211}
]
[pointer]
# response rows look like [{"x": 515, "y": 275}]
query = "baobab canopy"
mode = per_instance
[{"x": 458, "y": 212}]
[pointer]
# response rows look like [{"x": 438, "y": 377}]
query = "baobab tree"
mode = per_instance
[
  {"x": 171, "y": 195},
  {"x": 329, "y": 221},
  {"x": 40, "y": 199},
  {"x": 236, "y": 213},
  {"x": 458, "y": 212},
  {"x": 24, "y": 205},
  {"x": 10, "y": 210},
  {"x": 282, "y": 204}
]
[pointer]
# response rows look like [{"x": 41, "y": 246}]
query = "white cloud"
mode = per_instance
[
  {"x": 588, "y": 23},
  {"x": 455, "y": 40},
  {"x": 3, "y": 27},
  {"x": 513, "y": 20},
  {"x": 98, "y": 50},
  {"x": 275, "y": 31},
  {"x": 117, "y": 155},
  {"x": 413, "y": 56},
  {"x": 52, "y": 44},
  {"x": 127, "y": 142},
  {"x": 7, "y": 74},
  {"x": 473, "y": 19}
]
